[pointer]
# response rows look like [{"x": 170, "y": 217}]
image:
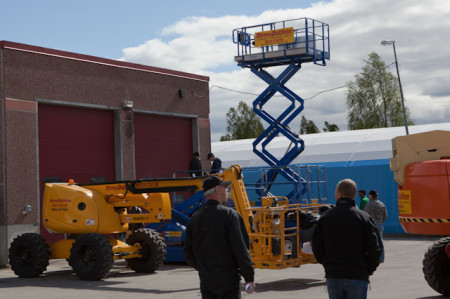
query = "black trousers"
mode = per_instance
[{"x": 222, "y": 291}]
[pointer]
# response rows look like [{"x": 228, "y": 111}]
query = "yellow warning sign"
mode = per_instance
[
  {"x": 404, "y": 202},
  {"x": 173, "y": 233},
  {"x": 274, "y": 37}
]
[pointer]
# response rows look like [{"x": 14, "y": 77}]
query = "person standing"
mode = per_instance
[
  {"x": 363, "y": 200},
  {"x": 217, "y": 245},
  {"x": 195, "y": 166},
  {"x": 377, "y": 210},
  {"x": 347, "y": 243},
  {"x": 216, "y": 166}
]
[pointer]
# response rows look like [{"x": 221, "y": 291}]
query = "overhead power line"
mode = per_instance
[
  {"x": 320, "y": 92},
  {"x": 279, "y": 95}
]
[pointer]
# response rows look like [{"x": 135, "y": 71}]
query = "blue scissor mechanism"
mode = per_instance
[{"x": 290, "y": 43}]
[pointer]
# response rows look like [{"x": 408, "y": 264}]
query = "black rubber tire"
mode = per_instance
[
  {"x": 29, "y": 255},
  {"x": 436, "y": 267},
  {"x": 153, "y": 250},
  {"x": 91, "y": 257}
]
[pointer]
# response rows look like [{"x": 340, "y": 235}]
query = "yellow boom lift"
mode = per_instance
[{"x": 91, "y": 214}]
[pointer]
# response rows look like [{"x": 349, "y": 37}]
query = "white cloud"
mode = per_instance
[{"x": 204, "y": 46}]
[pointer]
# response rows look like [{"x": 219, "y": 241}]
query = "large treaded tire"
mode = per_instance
[
  {"x": 153, "y": 250},
  {"x": 29, "y": 255},
  {"x": 91, "y": 257},
  {"x": 436, "y": 267}
]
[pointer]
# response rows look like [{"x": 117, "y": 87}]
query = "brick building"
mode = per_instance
[{"x": 66, "y": 115}]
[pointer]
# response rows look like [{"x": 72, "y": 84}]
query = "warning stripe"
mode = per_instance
[{"x": 424, "y": 220}]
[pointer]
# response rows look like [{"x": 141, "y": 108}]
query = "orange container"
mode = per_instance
[{"x": 424, "y": 202}]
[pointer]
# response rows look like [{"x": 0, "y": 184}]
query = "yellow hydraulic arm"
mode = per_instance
[
  {"x": 239, "y": 194},
  {"x": 272, "y": 244}
]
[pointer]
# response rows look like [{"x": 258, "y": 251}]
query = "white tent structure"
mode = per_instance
[
  {"x": 362, "y": 155},
  {"x": 340, "y": 146}
]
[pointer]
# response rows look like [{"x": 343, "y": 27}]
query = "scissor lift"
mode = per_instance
[{"x": 287, "y": 43}]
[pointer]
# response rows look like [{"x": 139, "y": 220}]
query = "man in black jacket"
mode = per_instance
[
  {"x": 195, "y": 166},
  {"x": 347, "y": 243},
  {"x": 216, "y": 166},
  {"x": 217, "y": 245}
]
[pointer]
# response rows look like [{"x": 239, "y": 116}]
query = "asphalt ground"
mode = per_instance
[{"x": 399, "y": 277}]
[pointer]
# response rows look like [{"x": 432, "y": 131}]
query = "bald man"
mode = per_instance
[{"x": 347, "y": 243}]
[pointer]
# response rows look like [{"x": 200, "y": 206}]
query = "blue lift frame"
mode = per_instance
[{"x": 310, "y": 44}]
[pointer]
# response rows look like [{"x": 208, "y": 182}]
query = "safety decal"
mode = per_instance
[
  {"x": 404, "y": 202},
  {"x": 173, "y": 233}
]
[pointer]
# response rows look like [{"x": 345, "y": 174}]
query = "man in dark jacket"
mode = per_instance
[
  {"x": 217, "y": 245},
  {"x": 216, "y": 166},
  {"x": 347, "y": 243},
  {"x": 195, "y": 166}
]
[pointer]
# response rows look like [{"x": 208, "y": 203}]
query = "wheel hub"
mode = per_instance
[
  {"x": 25, "y": 255},
  {"x": 88, "y": 256}
]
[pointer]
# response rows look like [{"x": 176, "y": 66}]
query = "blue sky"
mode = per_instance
[
  {"x": 104, "y": 27},
  {"x": 195, "y": 36}
]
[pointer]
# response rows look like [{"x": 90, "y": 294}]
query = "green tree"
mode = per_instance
[
  {"x": 330, "y": 127},
  {"x": 242, "y": 123},
  {"x": 373, "y": 100},
  {"x": 307, "y": 126}
]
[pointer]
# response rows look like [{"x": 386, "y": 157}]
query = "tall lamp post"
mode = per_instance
[{"x": 392, "y": 42}]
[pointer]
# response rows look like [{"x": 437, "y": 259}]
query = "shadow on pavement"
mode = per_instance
[
  {"x": 66, "y": 279},
  {"x": 288, "y": 285}
]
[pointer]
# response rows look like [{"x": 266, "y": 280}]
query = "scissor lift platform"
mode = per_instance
[
  {"x": 303, "y": 40},
  {"x": 289, "y": 43}
]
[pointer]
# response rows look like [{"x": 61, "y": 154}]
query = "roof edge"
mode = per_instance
[{"x": 95, "y": 59}]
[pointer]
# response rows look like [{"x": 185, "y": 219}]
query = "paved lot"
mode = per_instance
[{"x": 399, "y": 277}]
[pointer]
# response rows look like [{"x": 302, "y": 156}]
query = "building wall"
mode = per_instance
[
  {"x": 3, "y": 232},
  {"x": 31, "y": 76}
]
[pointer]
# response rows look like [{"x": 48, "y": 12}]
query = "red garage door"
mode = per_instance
[
  {"x": 163, "y": 145},
  {"x": 75, "y": 143}
]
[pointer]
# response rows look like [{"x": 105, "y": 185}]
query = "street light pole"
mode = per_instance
[{"x": 392, "y": 42}]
